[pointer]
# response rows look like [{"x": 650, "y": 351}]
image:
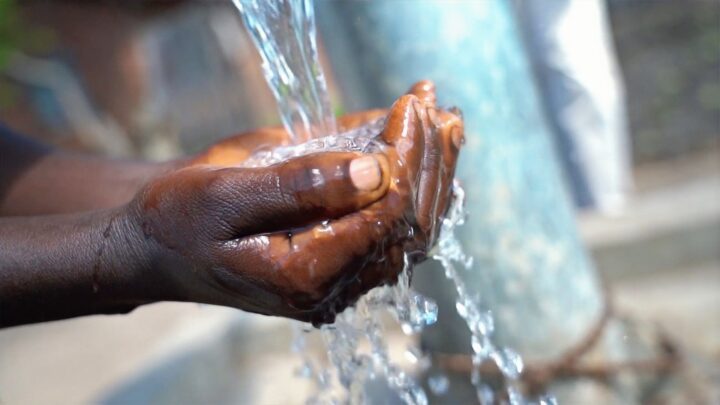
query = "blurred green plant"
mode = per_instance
[
  {"x": 15, "y": 36},
  {"x": 10, "y": 29}
]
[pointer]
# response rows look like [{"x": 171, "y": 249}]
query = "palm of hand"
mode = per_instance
[{"x": 309, "y": 267}]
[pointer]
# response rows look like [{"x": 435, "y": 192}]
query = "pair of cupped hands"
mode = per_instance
[{"x": 306, "y": 237}]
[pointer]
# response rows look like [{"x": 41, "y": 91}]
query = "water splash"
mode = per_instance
[
  {"x": 438, "y": 384},
  {"x": 284, "y": 33},
  {"x": 354, "y": 368},
  {"x": 361, "y": 139},
  {"x": 479, "y": 322}
]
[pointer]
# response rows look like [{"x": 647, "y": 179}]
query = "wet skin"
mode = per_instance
[{"x": 298, "y": 239}]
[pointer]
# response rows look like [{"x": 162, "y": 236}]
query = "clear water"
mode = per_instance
[
  {"x": 353, "y": 367},
  {"x": 284, "y": 33},
  {"x": 361, "y": 139},
  {"x": 355, "y": 344}
]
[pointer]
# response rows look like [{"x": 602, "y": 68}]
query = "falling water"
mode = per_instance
[
  {"x": 284, "y": 32},
  {"x": 352, "y": 368}
]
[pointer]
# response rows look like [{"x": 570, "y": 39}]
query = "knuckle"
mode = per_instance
[
  {"x": 217, "y": 185},
  {"x": 284, "y": 187}
]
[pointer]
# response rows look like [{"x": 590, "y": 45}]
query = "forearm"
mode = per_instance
[
  {"x": 38, "y": 180},
  {"x": 61, "y": 266}
]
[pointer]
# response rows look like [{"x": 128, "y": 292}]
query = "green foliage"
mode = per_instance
[
  {"x": 16, "y": 35},
  {"x": 9, "y": 42},
  {"x": 9, "y": 30}
]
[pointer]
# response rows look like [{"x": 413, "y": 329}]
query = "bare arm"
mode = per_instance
[
  {"x": 204, "y": 233},
  {"x": 301, "y": 239},
  {"x": 60, "y": 266},
  {"x": 38, "y": 180}
]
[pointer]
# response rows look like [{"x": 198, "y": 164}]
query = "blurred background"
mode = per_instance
[{"x": 160, "y": 79}]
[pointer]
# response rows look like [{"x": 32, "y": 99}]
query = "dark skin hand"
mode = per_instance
[{"x": 302, "y": 239}]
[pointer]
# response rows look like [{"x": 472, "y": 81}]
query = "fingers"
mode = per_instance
[
  {"x": 304, "y": 266},
  {"x": 451, "y": 131},
  {"x": 451, "y": 136},
  {"x": 300, "y": 191},
  {"x": 402, "y": 120},
  {"x": 236, "y": 149},
  {"x": 403, "y": 132},
  {"x": 354, "y": 120},
  {"x": 329, "y": 266},
  {"x": 318, "y": 269},
  {"x": 426, "y": 140},
  {"x": 411, "y": 128},
  {"x": 425, "y": 91},
  {"x": 429, "y": 179}
]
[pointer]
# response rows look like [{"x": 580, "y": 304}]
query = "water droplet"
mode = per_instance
[
  {"x": 478, "y": 345},
  {"x": 427, "y": 310},
  {"x": 413, "y": 355},
  {"x": 461, "y": 309},
  {"x": 408, "y": 328},
  {"x": 317, "y": 178},
  {"x": 305, "y": 370},
  {"x": 485, "y": 323},
  {"x": 514, "y": 396},
  {"x": 485, "y": 394},
  {"x": 326, "y": 227},
  {"x": 547, "y": 400},
  {"x": 438, "y": 384},
  {"x": 509, "y": 362}
]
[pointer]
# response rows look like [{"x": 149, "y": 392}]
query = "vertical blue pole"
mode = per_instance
[{"x": 530, "y": 267}]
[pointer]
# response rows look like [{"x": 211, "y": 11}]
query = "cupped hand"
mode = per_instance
[{"x": 304, "y": 238}]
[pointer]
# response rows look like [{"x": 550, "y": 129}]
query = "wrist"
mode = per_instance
[
  {"x": 128, "y": 259},
  {"x": 62, "y": 266},
  {"x": 150, "y": 268}
]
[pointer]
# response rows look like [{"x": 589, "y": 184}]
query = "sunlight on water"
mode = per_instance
[{"x": 284, "y": 32}]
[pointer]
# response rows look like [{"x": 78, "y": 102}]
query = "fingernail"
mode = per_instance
[
  {"x": 457, "y": 137},
  {"x": 365, "y": 173}
]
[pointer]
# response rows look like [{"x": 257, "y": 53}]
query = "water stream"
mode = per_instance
[
  {"x": 284, "y": 33},
  {"x": 356, "y": 343}
]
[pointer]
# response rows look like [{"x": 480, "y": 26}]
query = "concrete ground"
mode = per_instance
[{"x": 661, "y": 259}]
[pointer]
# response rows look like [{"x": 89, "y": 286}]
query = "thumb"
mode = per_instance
[{"x": 303, "y": 190}]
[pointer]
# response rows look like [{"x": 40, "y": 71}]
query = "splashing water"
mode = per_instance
[
  {"x": 284, "y": 33},
  {"x": 362, "y": 139},
  {"x": 353, "y": 369}
]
